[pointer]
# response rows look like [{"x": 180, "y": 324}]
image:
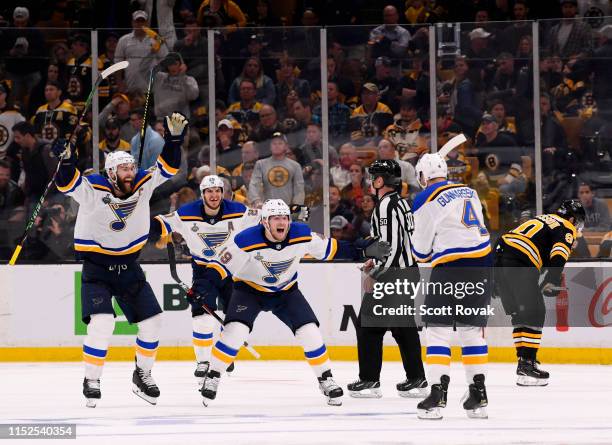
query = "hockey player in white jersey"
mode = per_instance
[
  {"x": 263, "y": 261},
  {"x": 111, "y": 228},
  {"x": 450, "y": 234},
  {"x": 207, "y": 226}
]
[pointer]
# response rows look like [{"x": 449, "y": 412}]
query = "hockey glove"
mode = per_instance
[
  {"x": 196, "y": 299},
  {"x": 64, "y": 151},
  {"x": 175, "y": 128},
  {"x": 551, "y": 290},
  {"x": 299, "y": 213},
  {"x": 374, "y": 248}
]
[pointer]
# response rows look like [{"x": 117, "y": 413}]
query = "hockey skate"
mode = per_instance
[
  {"x": 91, "y": 391},
  {"x": 475, "y": 399},
  {"x": 529, "y": 374},
  {"x": 430, "y": 407},
  {"x": 362, "y": 389},
  {"x": 200, "y": 373},
  {"x": 330, "y": 389},
  {"x": 209, "y": 388},
  {"x": 415, "y": 388},
  {"x": 144, "y": 385},
  {"x": 230, "y": 369}
]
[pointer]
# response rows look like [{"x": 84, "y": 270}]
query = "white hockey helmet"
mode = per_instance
[
  {"x": 211, "y": 181},
  {"x": 431, "y": 165},
  {"x": 114, "y": 160},
  {"x": 274, "y": 207}
]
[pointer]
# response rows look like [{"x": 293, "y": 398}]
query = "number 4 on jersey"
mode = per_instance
[{"x": 470, "y": 219}]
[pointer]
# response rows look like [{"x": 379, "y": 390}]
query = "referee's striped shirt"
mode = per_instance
[{"x": 392, "y": 221}]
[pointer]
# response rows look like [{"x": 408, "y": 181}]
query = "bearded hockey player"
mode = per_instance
[{"x": 111, "y": 228}]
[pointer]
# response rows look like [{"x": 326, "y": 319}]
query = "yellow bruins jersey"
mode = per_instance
[
  {"x": 545, "y": 241},
  {"x": 51, "y": 124},
  {"x": 368, "y": 125},
  {"x": 79, "y": 80}
]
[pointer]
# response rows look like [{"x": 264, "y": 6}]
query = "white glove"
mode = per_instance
[{"x": 175, "y": 124}]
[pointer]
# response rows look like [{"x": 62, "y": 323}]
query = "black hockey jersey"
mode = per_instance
[
  {"x": 50, "y": 124},
  {"x": 545, "y": 241}
]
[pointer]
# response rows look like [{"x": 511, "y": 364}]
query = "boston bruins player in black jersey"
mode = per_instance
[{"x": 537, "y": 248}]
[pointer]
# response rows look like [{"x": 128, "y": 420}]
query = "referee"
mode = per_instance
[{"x": 392, "y": 222}]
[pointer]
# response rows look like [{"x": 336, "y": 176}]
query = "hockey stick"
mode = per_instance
[
  {"x": 103, "y": 75},
  {"x": 175, "y": 277},
  {"x": 143, "y": 127},
  {"x": 452, "y": 144}
]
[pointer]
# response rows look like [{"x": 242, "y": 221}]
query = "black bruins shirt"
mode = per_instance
[
  {"x": 58, "y": 122},
  {"x": 544, "y": 241}
]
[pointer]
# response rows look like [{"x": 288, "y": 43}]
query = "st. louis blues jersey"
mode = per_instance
[
  {"x": 260, "y": 265},
  {"x": 448, "y": 224},
  {"x": 207, "y": 235},
  {"x": 108, "y": 229}
]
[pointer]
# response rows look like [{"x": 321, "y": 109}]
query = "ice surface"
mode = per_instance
[{"x": 279, "y": 402}]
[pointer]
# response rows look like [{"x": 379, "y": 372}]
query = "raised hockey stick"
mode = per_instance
[
  {"x": 185, "y": 287},
  {"x": 143, "y": 127},
  {"x": 103, "y": 75},
  {"x": 451, "y": 145}
]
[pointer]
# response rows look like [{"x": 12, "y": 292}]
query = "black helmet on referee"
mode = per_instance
[
  {"x": 573, "y": 208},
  {"x": 389, "y": 170}
]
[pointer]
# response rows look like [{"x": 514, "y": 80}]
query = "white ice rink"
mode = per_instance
[{"x": 279, "y": 402}]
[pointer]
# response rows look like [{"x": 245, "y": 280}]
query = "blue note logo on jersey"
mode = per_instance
[
  {"x": 275, "y": 269},
  {"x": 212, "y": 241},
  {"x": 122, "y": 211}
]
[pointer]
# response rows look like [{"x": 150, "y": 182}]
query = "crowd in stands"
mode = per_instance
[{"x": 268, "y": 112}]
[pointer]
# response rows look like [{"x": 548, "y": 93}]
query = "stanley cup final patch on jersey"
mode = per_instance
[
  {"x": 122, "y": 211},
  {"x": 275, "y": 269},
  {"x": 212, "y": 241}
]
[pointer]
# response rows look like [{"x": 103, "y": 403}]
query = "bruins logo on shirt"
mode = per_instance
[
  {"x": 122, "y": 211},
  {"x": 4, "y": 135},
  {"x": 278, "y": 176},
  {"x": 275, "y": 269},
  {"x": 212, "y": 241},
  {"x": 50, "y": 132},
  {"x": 492, "y": 162}
]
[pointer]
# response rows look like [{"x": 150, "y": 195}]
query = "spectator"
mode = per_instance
[
  {"x": 268, "y": 125},
  {"x": 597, "y": 213},
  {"x": 288, "y": 81},
  {"x": 11, "y": 197},
  {"x": 79, "y": 69},
  {"x": 253, "y": 71},
  {"x": 263, "y": 18},
  {"x": 465, "y": 98},
  {"x": 524, "y": 53},
  {"x": 498, "y": 111},
  {"x": 480, "y": 53},
  {"x": 363, "y": 216},
  {"x": 158, "y": 126},
  {"x": 605, "y": 249},
  {"x": 491, "y": 136},
  {"x": 9, "y": 116},
  {"x": 277, "y": 177},
  {"x": 153, "y": 143},
  {"x": 112, "y": 141},
  {"x": 23, "y": 59},
  {"x": 406, "y": 133},
  {"x": 228, "y": 151},
  {"x": 246, "y": 111},
  {"x": 338, "y": 115},
  {"x": 505, "y": 78},
  {"x": 217, "y": 13},
  {"x": 302, "y": 113},
  {"x": 602, "y": 70},
  {"x": 514, "y": 183},
  {"x": 57, "y": 118},
  {"x": 390, "y": 39},
  {"x": 386, "y": 150},
  {"x": 304, "y": 40},
  {"x": 249, "y": 154},
  {"x": 358, "y": 186},
  {"x": 173, "y": 89},
  {"x": 142, "y": 50},
  {"x": 257, "y": 48},
  {"x": 193, "y": 48},
  {"x": 119, "y": 109},
  {"x": 340, "y": 174},
  {"x": 519, "y": 28},
  {"x": 570, "y": 37},
  {"x": 568, "y": 94},
  {"x": 341, "y": 229},
  {"x": 312, "y": 148},
  {"x": 416, "y": 12},
  {"x": 36, "y": 160},
  {"x": 60, "y": 53},
  {"x": 52, "y": 239},
  {"x": 369, "y": 120},
  {"x": 345, "y": 88},
  {"x": 37, "y": 95},
  {"x": 338, "y": 207},
  {"x": 387, "y": 83}
]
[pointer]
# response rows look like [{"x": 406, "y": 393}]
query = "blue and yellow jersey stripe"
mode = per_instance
[
  {"x": 73, "y": 184},
  {"x": 457, "y": 253},
  {"x": 165, "y": 227},
  {"x": 142, "y": 181},
  {"x": 441, "y": 190},
  {"x": 166, "y": 169},
  {"x": 82, "y": 245},
  {"x": 232, "y": 215},
  {"x": 331, "y": 250}
]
